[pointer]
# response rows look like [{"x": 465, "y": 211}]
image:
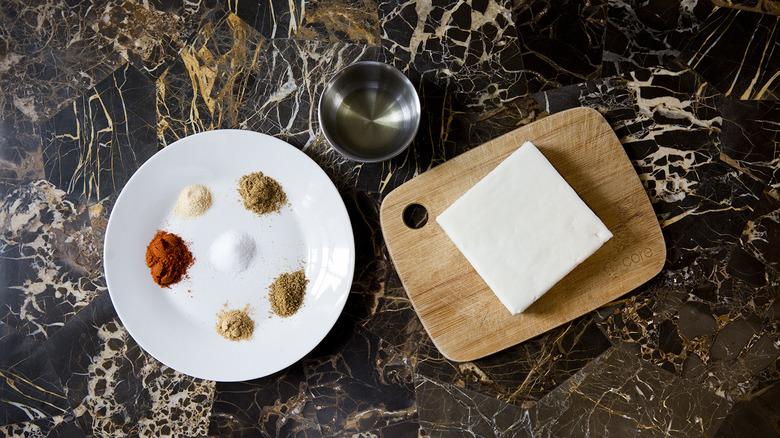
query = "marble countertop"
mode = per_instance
[{"x": 88, "y": 92}]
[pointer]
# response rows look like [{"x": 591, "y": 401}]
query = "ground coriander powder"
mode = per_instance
[
  {"x": 286, "y": 293},
  {"x": 261, "y": 194},
  {"x": 235, "y": 325}
]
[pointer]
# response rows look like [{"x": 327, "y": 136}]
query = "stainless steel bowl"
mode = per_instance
[{"x": 369, "y": 111}]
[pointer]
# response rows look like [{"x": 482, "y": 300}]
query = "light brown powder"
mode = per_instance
[
  {"x": 286, "y": 294},
  {"x": 235, "y": 325},
  {"x": 261, "y": 194}
]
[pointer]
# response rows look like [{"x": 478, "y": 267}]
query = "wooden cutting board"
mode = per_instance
[{"x": 461, "y": 314}]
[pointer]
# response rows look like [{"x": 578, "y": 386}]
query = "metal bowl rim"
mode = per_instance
[{"x": 361, "y": 158}]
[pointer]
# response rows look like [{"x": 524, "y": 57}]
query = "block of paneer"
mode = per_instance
[{"x": 523, "y": 228}]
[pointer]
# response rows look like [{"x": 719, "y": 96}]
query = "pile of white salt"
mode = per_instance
[{"x": 232, "y": 251}]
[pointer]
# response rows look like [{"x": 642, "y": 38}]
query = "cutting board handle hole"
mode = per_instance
[{"x": 415, "y": 216}]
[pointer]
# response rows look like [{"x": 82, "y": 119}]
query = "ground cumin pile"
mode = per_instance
[
  {"x": 261, "y": 194},
  {"x": 235, "y": 325},
  {"x": 286, "y": 294}
]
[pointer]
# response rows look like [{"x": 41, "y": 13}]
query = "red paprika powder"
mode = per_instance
[{"x": 168, "y": 257}]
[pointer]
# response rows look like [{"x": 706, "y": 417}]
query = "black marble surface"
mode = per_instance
[{"x": 90, "y": 91}]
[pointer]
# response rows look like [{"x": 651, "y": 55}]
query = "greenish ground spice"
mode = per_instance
[
  {"x": 261, "y": 194},
  {"x": 286, "y": 294}
]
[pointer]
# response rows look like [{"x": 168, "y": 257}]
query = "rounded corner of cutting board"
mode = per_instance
[
  {"x": 589, "y": 111},
  {"x": 448, "y": 354},
  {"x": 461, "y": 359},
  {"x": 395, "y": 196},
  {"x": 581, "y": 112},
  {"x": 456, "y": 354},
  {"x": 384, "y": 206},
  {"x": 389, "y": 201}
]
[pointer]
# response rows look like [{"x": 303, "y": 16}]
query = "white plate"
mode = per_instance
[{"x": 176, "y": 325}]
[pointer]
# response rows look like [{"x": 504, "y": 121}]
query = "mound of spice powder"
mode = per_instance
[
  {"x": 261, "y": 194},
  {"x": 286, "y": 294},
  {"x": 235, "y": 325},
  {"x": 193, "y": 201},
  {"x": 168, "y": 257}
]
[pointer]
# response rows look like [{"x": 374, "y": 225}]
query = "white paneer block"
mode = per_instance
[{"x": 523, "y": 228}]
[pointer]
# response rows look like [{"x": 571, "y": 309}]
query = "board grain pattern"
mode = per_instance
[{"x": 461, "y": 314}]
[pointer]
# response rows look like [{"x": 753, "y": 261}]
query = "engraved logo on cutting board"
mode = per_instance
[
  {"x": 637, "y": 257},
  {"x": 630, "y": 260}
]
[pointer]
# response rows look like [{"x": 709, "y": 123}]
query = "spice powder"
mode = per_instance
[
  {"x": 235, "y": 325},
  {"x": 168, "y": 258},
  {"x": 261, "y": 194},
  {"x": 287, "y": 291},
  {"x": 193, "y": 201}
]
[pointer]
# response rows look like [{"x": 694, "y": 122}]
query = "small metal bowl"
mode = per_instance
[{"x": 369, "y": 111}]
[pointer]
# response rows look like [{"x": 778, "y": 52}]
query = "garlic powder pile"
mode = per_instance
[{"x": 193, "y": 201}]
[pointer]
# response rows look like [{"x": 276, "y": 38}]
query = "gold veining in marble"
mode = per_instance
[
  {"x": 764, "y": 6},
  {"x": 745, "y": 71},
  {"x": 353, "y": 21}
]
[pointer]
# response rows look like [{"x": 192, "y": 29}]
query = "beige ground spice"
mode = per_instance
[
  {"x": 193, "y": 201},
  {"x": 286, "y": 294},
  {"x": 235, "y": 325},
  {"x": 261, "y": 194}
]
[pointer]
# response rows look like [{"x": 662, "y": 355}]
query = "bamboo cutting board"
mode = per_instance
[{"x": 461, "y": 314}]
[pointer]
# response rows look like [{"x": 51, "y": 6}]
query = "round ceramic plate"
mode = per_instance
[{"x": 177, "y": 324}]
